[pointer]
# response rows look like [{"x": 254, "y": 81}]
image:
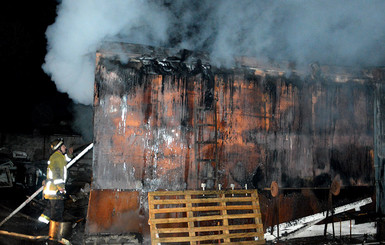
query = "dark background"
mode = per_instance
[{"x": 29, "y": 100}]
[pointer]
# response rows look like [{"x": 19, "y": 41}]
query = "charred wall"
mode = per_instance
[
  {"x": 299, "y": 132},
  {"x": 261, "y": 122}
]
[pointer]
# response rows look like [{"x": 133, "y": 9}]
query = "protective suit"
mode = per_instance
[
  {"x": 54, "y": 189},
  {"x": 56, "y": 176}
]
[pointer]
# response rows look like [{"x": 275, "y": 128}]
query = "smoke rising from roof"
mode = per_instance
[{"x": 330, "y": 32}]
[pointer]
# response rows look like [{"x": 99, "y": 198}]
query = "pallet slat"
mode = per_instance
[
  {"x": 190, "y": 214},
  {"x": 204, "y": 238},
  {"x": 211, "y": 228},
  {"x": 202, "y": 218},
  {"x": 210, "y": 200},
  {"x": 198, "y": 192},
  {"x": 205, "y": 208},
  {"x": 227, "y": 217},
  {"x": 245, "y": 242}
]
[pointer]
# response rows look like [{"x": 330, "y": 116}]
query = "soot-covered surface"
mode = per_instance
[{"x": 264, "y": 122}]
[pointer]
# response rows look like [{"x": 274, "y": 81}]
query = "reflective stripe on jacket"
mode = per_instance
[{"x": 56, "y": 175}]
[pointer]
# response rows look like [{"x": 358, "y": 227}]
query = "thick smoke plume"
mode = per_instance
[{"x": 330, "y": 32}]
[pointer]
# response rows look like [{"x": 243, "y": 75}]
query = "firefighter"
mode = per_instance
[{"x": 54, "y": 186}]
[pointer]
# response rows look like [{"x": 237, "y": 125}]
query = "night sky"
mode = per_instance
[{"x": 29, "y": 100}]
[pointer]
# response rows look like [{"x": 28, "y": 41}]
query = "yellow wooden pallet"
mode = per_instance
[{"x": 205, "y": 217}]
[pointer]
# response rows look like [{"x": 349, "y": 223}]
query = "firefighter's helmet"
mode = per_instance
[{"x": 56, "y": 144}]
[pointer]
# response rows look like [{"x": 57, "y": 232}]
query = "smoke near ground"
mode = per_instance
[
  {"x": 83, "y": 120},
  {"x": 330, "y": 32}
]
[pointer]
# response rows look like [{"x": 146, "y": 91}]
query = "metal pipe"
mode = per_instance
[
  {"x": 22, "y": 205},
  {"x": 34, "y": 238},
  {"x": 20, "y": 214},
  {"x": 23, "y": 236},
  {"x": 89, "y": 147},
  {"x": 41, "y": 188}
]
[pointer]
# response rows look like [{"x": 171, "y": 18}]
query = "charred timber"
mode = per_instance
[{"x": 261, "y": 121}]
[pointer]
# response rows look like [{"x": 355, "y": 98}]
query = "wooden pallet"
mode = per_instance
[{"x": 205, "y": 217}]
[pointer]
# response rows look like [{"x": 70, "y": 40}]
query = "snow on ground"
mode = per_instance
[{"x": 340, "y": 229}]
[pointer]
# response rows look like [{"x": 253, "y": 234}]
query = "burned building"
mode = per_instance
[{"x": 167, "y": 119}]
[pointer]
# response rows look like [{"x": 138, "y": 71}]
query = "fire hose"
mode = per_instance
[{"x": 70, "y": 163}]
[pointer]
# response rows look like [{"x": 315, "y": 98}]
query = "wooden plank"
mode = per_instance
[
  {"x": 190, "y": 215},
  {"x": 206, "y": 238},
  {"x": 225, "y": 220},
  {"x": 204, "y": 200},
  {"x": 257, "y": 216},
  {"x": 152, "y": 217},
  {"x": 239, "y": 243},
  {"x": 199, "y": 192},
  {"x": 202, "y": 218},
  {"x": 211, "y": 228},
  {"x": 243, "y": 242},
  {"x": 205, "y": 208},
  {"x": 208, "y": 208}
]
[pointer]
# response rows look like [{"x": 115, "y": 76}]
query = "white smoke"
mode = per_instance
[
  {"x": 332, "y": 32},
  {"x": 79, "y": 29}
]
